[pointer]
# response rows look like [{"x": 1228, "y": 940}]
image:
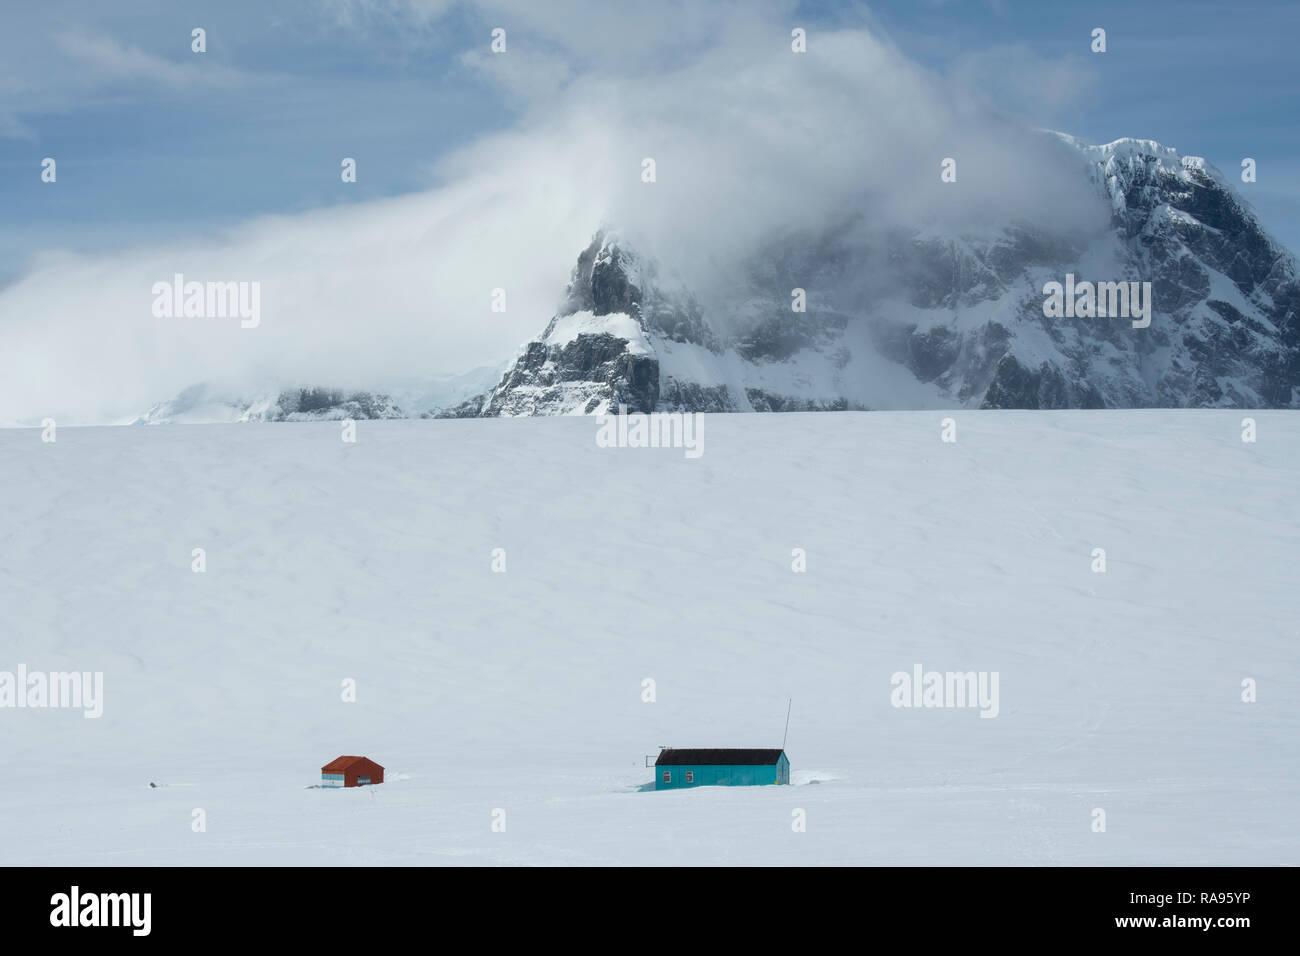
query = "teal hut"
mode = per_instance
[{"x": 675, "y": 769}]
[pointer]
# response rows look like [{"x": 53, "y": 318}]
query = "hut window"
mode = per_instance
[
  {"x": 690, "y": 776},
  {"x": 668, "y": 776}
]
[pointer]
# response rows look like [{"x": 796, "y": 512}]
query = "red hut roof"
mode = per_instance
[{"x": 341, "y": 764}]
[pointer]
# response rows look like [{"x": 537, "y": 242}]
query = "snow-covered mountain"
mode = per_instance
[
  {"x": 896, "y": 318},
  {"x": 922, "y": 318},
  {"x": 204, "y": 403}
]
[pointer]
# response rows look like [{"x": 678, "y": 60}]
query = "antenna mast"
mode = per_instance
[{"x": 789, "y": 702}]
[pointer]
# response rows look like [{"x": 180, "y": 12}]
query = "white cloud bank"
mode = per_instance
[{"x": 748, "y": 137}]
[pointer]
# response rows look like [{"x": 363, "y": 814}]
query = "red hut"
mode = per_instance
[{"x": 351, "y": 772}]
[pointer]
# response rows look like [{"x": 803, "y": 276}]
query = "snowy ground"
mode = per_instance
[{"x": 522, "y": 690}]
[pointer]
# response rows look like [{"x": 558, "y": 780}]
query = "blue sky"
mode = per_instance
[{"x": 153, "y": 140}]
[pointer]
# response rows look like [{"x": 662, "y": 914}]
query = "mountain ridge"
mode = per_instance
[
  {"x": 927, "y": 318},
  {"x": 1225, "y": 292}
]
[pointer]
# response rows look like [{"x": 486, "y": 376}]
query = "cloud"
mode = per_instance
[
  {"x": 350, "y": 13},
  {"x": 44, "y": 72},
  {"x": 354, "y": 297},
  {"x": 108, "y": 59},
  {"x": 1015, "y": 78},
  {"x": 749, "y": 138}
]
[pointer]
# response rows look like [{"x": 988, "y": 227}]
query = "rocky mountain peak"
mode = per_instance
[
  {"x": 920, "y": 317},
  {"x": 960, "y": 320},
  {"x": 606, "y": 280}
]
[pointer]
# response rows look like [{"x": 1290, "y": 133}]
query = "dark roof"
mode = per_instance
[
  {"x": 341, "y": 764},
  {"x": 750, "y": 758}
]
